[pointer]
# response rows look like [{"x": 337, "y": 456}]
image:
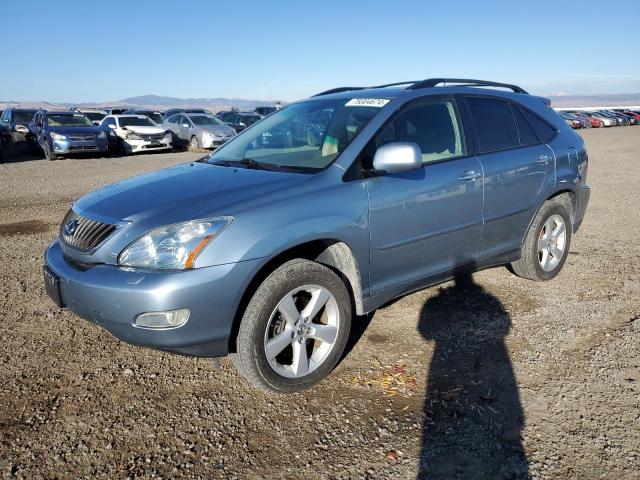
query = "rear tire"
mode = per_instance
[
  {"x": 546, "y": 245},
  {"x": 301, "y": 316}
]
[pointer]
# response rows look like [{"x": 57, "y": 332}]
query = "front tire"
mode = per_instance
[
  {"x": 49, "y": 155},
  {"x": 295, "y": 328},
  {"x": 546, "y": 244},
  {"x": 194, "y": 143}
]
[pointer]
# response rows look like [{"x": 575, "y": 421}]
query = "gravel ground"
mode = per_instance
[{"x": 495, "y": 377}]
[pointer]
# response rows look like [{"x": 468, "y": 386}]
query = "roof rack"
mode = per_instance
[
  {"x": 464, "y": 82},
  {"x": 432, "y": 82}
]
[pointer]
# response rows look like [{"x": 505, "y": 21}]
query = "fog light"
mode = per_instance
[{"x": 170, "y": 319}]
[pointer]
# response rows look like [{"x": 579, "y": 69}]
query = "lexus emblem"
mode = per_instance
[{"x": 70, "y": 227}]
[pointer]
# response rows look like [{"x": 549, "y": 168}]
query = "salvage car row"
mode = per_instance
[
  {"x": 67, "y": 132},
  {"x": 600, "y": 118}
]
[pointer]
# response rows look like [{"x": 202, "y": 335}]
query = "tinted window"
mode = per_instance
[
  {"x": 527, "y": 135},
  {"x": 544, "y": 131},
  {"x": 434, "y": 126},
  {"x": 494, "y": 123}
]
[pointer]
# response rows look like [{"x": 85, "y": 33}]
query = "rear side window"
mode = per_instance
[
  {"x": 544, "y": 131},
  {"x": 527, "y": 135},
  {"x": 434, "y": 126},
  {"x": 495, "y": 125}
]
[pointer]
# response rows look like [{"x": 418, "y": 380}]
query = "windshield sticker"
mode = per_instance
[{"x": 367, "y": 102}]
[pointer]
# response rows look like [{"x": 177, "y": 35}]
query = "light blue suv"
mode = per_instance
[{"x": 326, "y": 209}]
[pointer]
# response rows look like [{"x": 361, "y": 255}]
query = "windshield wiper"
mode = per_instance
[{"x": 247, "y": 163}]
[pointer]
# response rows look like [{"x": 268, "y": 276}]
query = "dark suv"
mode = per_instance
[
  {"x": 66, "y": 133},
  {"x": 267, "y": 249},
  {"x": 14, "y": 125}
]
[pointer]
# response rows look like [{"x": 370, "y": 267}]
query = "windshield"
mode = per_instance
[
  {"x": 23, "y": 116},
  {"x": 66, "y": 120},
  {"x": 94, "y": 116},
  {"x": 304, "y": 136},
  {"x": 156, "y": 117},
  {"x": 136, "y": 122},
  {"x": 205, "y": 120},
  {"x": 249, "y": 120}
]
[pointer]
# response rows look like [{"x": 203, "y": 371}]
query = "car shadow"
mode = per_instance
[{"x": 473, "y": 415}]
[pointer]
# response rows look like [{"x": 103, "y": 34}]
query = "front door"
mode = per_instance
[{"x": 426, "y": 222}]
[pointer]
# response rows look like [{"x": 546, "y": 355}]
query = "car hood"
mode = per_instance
[
  {"x": 144, "y": 130},
  {"x": 182, "y": 193},
  {"x": 75, "y": 130},
  {"x": 218, "y": 129}
]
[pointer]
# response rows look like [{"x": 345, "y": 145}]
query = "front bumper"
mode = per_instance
[
  {"x": 113, "y": 297},
  {"x": 70, "y": 146},
  {"x": 213, "y": 142},
  {"x": 135, "y": 146}
]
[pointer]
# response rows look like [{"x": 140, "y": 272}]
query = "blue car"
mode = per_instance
[
  {"x": 267, "y": 249},
  {"x": 66, "y": 133}
]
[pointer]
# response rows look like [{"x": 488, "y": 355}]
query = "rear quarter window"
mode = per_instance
[
  {"x": 544, "y": 131},
  {"x": 494, "y": 122},
  {"x": 527, "y": 134}
]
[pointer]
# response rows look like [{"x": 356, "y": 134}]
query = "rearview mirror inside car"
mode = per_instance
[{"x": 397, "y": 157}]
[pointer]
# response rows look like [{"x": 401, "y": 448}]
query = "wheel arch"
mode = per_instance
[
  {"x": 566, "y": 196},
  {"x": 332, "y": 253}
]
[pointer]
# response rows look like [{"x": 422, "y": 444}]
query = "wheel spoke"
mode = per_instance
[
  {"x": 278, "y": 343},
  {"x": 300, "y": 365},
  {"x": 288, "y": 310},
  {"x": 545, "y": 257},
  {"x": 542, "y": 244},
  {"x": 548, "y": 227},
  {"x": 324, "y": 333},
  {"x": 318, "y": 300},
  {"x": 559, "y": 230},
  {"x": 556, "y": 252}
]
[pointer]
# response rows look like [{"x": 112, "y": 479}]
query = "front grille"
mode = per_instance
[
  {"x": 153, "y": 136},
  {"x": 82, "y": 233},
  {"x": 83, "y": 148},
  {"x": 82, "y": 138}
]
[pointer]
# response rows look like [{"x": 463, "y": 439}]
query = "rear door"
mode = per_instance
[
  {"x": 519, "y": 170},
  {"x": 425, "y": 222}
]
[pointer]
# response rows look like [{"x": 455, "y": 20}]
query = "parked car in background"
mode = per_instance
[
  {"x": 571, "y": 120},
  {"x": 616, "y": 118},
  {"x": 593, "y": 121},
  {"x": 264, "y": 111},
  {"x": 129, "y": 133},
  {"x": 200, "y": 130},
  {"x": 631, "y": 113},
  {"x": 606, "y": 121},
  {"x": 269, "y": 253},
  {"x": 65, "y": 133},
  {"x": 155, "y": 115},
  {"x": 14, "y": 125},
  {"x": 239, "y": 121},
  {"x": 96, "y": 116},
  {"x": 632, "y": 119},
  {"x": 115, "y": 110},
  {"x": 173, "y": 111}
]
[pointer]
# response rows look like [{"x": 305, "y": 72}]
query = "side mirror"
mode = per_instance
[
  {"x": 241, "y": 124},
  {"x": 397, "y": 157},
  {"x": 185, "y": 125},
  {"x": 111, "y": 126}
]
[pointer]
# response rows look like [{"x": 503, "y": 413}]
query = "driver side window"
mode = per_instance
[{"x": 433, "y": 125}]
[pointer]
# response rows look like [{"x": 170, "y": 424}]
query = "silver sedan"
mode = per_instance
[{"x": 200, "y": 130}]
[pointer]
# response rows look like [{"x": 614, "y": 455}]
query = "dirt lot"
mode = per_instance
[{"x": 499, "y": 378}]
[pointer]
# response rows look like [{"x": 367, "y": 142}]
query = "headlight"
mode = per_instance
[
  {"x": 57, "y": 136},
  {"x": 133, "y": 136},
  {"x": 102, "y": 135},
  {"x": 22, "y": 129},
  {"x": 173, "y": 247}
]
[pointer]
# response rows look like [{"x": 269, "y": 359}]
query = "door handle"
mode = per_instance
[
  {"x": 543, "y": 159},
  {"x": 469, "y": 176}
]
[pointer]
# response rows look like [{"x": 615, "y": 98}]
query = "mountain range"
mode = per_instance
[{"x": 156, "y": 102}]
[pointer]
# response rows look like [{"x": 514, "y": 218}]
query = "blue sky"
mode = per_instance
[{"x": 76, "y": 51}]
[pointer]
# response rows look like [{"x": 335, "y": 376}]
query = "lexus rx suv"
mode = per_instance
[{"x": 361, "y": 195}]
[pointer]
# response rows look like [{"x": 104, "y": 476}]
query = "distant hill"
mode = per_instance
[
  {"x": 604, "y": 100},
  {"x": 154, "y": 102}
]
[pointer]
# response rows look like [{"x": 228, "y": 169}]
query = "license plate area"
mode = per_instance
[{"x": 52, "y": 287}]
